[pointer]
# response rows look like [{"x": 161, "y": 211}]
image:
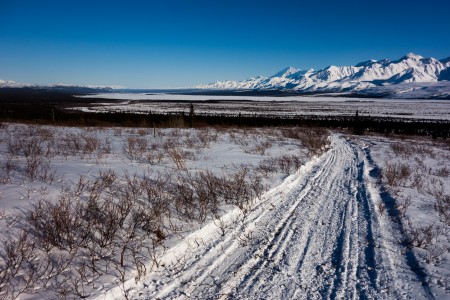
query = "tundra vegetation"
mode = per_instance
[
  {"x": 86, "y": 207},
  {"x": 414, "y": 175}
]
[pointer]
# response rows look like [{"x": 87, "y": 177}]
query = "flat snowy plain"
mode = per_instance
[
  {"x": 272, "y": 106},
  {"x": 297, "y": 214}
]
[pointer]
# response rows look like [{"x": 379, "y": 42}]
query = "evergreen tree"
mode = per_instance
[{"x": 191, "y": 116}]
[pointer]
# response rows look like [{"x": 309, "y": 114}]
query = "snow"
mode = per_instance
[
  {"x": 288, "y": 72},
  {"x": 317, "y": 235},
  {"x": 413, "y": 56},
  {"x": 427, "y": 183},
  {"x": 13, "y": 84},
  {"x": 433, "y": 90},
  {"x": 368, "y": 78},
  {"x": 221, "y": 152},
  {"x": 410, "y": 68},
  {"x": 288, "y": 106},
  {"x": 329, "y": 229}
]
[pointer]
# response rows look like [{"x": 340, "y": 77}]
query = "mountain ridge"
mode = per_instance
[
  {"x": 365, "y": 76},
  {"x": 18, "y": 85}
]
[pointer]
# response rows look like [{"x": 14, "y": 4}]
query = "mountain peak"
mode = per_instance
[
  {"x": 412, "y": 56},
  {"x": 366, "y": 63},
  {"x": 286, "y": 72}
]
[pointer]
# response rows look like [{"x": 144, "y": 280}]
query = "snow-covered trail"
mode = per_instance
[{"x": 318, "y": 235}]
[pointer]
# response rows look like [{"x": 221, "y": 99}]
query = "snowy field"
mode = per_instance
[
  {"x": 64, "y": 189},
  {"x": 273, "y": 213},
  {"x": 273, "y": 106}
]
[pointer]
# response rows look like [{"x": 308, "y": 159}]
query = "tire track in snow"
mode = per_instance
[
  {"x": 331, "y": 234},
  {"x": 315, "y": 236},
  {"x": 277, "y": 217},
  {"x": 280, "y": 242},
  {"x": 396, "y": 228}
]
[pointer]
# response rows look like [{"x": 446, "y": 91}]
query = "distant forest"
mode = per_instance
[{"x": 42, "y": 106}]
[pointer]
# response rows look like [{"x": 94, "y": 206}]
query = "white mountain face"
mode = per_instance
[{"x": 370, "y": 74}]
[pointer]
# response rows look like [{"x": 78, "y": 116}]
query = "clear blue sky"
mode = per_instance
[{"x": 170, "y": 43}]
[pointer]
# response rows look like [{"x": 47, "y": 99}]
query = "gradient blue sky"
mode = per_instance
[{"x": 162, "y": 44}]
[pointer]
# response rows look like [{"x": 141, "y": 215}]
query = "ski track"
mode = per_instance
[{"x": 316, "y": 236}]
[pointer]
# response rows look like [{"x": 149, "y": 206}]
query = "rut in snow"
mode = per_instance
[{"x": 315, "y": 236}]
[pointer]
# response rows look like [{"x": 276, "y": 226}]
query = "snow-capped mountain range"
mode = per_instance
[
  {"x": 14, "y": 84},
  {"x": 411, "y": 76},
  {"x": 400, "y": 78}
]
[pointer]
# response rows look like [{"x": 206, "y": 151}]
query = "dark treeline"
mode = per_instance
[
  {"x": 57, "y": 116},
  {"x": 41, "y": 107}
]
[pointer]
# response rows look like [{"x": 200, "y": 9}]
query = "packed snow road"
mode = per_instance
[{"x": 316, "y": 236}]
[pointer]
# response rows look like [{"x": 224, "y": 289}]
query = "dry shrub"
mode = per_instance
[
  {"x": 39, "y": 167},
  {"x": 111, "y": 224},
  {"x": 154, "y": 157},
  {"x": 13, "y": 147},
  {"x": 422, "y": 236},
  {"x": 107, "y": 177},
  {"x": 156, "y": 152},
  {"x": 135, "y": 147},
  {"x": 30, "y": 151},
  {"x": 175, "y": 133},
  {"x": 314, "y": 139},
  {"x": 19, "y": 268},
  {"x": 197, "y": 195},
  {"x": 192, "y": 143},
  {"x": 117, "y": 132},
  {"x": 101, "y": 226},
  {"x": 91, "y": 143},
  {"x": 402, "y": 206},
  {"x": 156, "y": 196},
  {"x": 266, "y": 167},
  {"x": 289, "y": 163},
  {"x": 83, "y": 144},
  {"x": 435, "y": 188},
  {"x": 259, "y": 147},
  {"x": 286, "y": 164},
  {"x": 396, "y": 173},
  {"x": 178, "y": 157},
  {"x": 401, "y": 149},
  {"x": 200, "y": 139},
  {"x": 442, "y": 172},
  {"x": 424, "y": 150},
  {"x": 9, "y": 165},
  {"x": 69, "y": 145},
  {"x": 418, "y": 181},
  {"x": 171, "y": 143},
  {"x": 442, "y": 206},
  {"x": 207, "y": 136},
  {"x": 143, "y": 131},
  {"x": 237, "y": 190},
  {"x": 58, "y": 225},
  {"x": 435, "y": 253}
]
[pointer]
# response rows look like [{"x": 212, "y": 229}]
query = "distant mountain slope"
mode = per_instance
[
  {"x": 367, "y": 77},
  {"x": 9, "y": 84}
]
